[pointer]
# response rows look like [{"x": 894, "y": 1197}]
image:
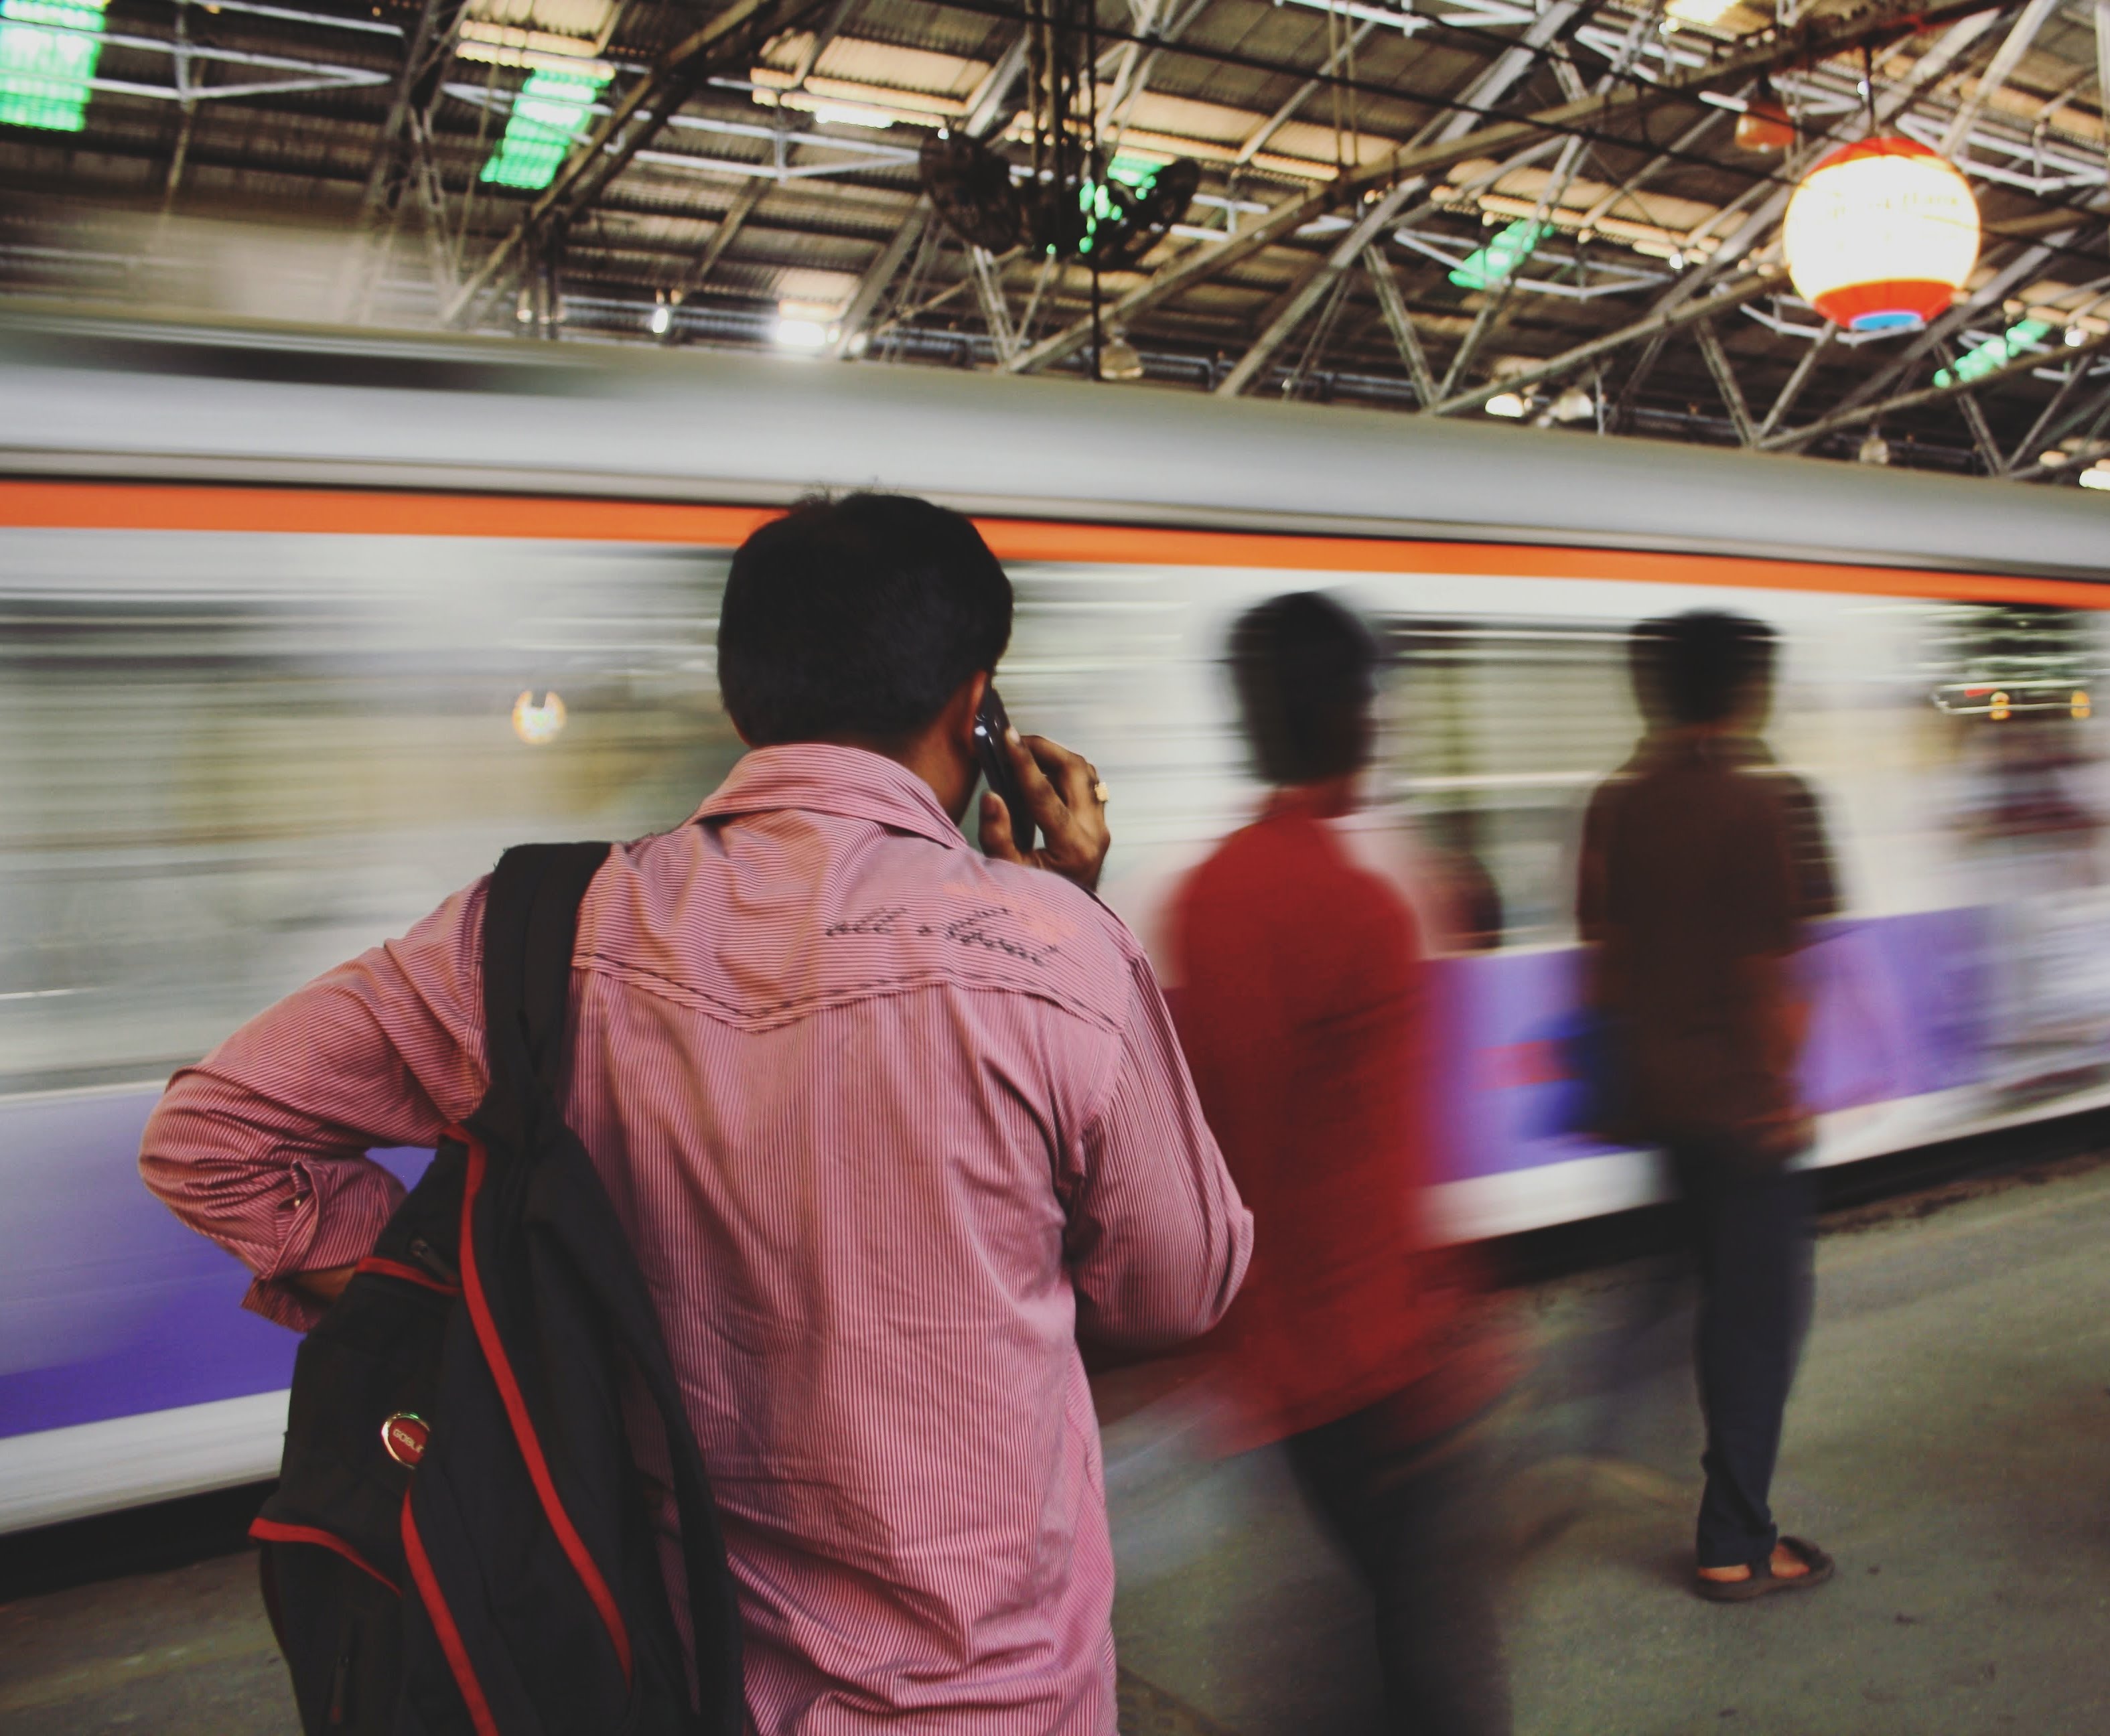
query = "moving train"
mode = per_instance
[{"x": 299, "y": 629}]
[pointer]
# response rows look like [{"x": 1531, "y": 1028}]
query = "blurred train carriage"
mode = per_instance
[{"x": 298, "y": 630}]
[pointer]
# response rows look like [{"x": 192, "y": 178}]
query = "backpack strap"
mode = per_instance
[{"x": 531, "y": 915}]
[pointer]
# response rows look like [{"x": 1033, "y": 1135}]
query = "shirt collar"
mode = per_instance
[
  {"x": 822, "y": 778},
  {"x": 1712, "y": 747}
]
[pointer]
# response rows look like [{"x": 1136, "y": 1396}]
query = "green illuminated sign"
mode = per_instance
[
  {"x": 1995, "y": 352},
  {"x": 48, "y": 49},
  {"x": 1493, "y": 263},
  {"x": 548, "y": 116}
]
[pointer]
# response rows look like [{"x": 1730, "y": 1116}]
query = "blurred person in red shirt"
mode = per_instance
[{"x": 1303, "y": 1012}]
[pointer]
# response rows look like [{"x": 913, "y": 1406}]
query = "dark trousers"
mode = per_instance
[
  {"x": 1749, "y": 1226},
  {"x": 1409, "y": 1526}
]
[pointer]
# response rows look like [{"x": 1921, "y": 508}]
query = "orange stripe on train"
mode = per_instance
[{"x": 154, "y": 506}]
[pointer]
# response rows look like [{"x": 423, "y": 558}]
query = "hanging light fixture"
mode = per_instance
[
  {"x": 1765, "y": 123},
  {"x": 1880, "y": 235},
  {"x": 1119, "y": 360}
]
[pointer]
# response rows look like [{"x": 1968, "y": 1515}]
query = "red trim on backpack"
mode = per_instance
[
  {"x": 443, "y": 1626},
  {"x": 273, "y": 1530},
  {"x": 516, "y": 1411},
  {"x": 375, "y": 1265}
]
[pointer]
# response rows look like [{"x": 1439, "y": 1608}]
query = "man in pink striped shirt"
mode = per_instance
[{"x": 892, "y": 1124}]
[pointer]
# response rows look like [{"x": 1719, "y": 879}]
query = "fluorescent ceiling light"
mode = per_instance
[
  {"x": 849, "y": 115},
  {"x": 48, "y": 50},
  {"x": 853, "y": 101},
  {"x": 662, "y": 319},
  {"x": 1507, "y": 403},
  {"x": 1493, "y": 263},
  {"x": 2095, "y": 476},
  {"x": 1995, "y": 352},
  {"x": 1699, "y": 11},
  {"x": 548, "y": 116},
  {"x": 805, "y": 325},
  {"x": 505, "y": 45}
]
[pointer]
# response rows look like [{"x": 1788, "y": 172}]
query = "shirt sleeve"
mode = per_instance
[
  {"x": 1157, "y": 1238},
  {"x": 1760, "y": 902},
  {"x": 1809, "y": 850},
  {"x": 1592, "y": 909},
  {"x": 262, "y": 1145}
]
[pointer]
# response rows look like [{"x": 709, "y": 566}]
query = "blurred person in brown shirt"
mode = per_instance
[{"x": 1702, "y": 860}]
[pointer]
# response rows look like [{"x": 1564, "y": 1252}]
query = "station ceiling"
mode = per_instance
[{"x": 745, "y": 175}]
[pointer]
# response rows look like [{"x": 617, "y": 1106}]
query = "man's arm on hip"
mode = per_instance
[{"x": 262, "y": 1145}]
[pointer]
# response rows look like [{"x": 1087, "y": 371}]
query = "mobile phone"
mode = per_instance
[{"x": 991, "y": 724}]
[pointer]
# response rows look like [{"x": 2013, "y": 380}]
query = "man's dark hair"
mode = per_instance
[
  {"x": 1645, "y": 669},
  {"x": 857, "y": 618},
  {"x": 1305, "y": 669},
  {"x": 1710, "y": 660}
]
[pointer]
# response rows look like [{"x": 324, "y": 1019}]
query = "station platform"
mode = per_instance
[{"x": 1948, "y": 1442}]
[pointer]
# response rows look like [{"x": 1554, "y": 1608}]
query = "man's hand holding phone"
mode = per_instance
[{"x": 1064, "y": 798}]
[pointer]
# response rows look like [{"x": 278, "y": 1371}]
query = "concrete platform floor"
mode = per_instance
[{"x": 1949, "y": 1441}]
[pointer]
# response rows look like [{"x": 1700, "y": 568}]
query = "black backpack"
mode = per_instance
[{"x": 460, "y": 1540}]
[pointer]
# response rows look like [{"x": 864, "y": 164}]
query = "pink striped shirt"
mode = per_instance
[{"x": 891, "y": 1126}]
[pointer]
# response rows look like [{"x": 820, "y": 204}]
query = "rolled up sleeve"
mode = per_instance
[
  {"x": 262, "y": 1145},
  {"x": 1158, "y": 1240}
]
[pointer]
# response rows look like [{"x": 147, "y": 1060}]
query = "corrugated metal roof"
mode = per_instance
[{"x": 808, "y": 190}]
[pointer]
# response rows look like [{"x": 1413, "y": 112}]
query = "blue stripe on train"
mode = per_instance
[{"x": 110, "y": 1307}]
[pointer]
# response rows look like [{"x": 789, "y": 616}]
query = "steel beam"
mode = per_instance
[
  {"x": 996, "y": 311},
  {"x": 1725, "y": 381},
  {"x": 1256, "y": 140},
  {"x": 2103, "y": 68},
  {"x": 1847, "y": 417},
  {"x": 2023, "y": 267},
  {"x": 989, "y": 102},
  {"x": 1933, "y": 64},
  {"x": 828, "y": 32},
  {"x": 2022, "y": 32},
  {"x": 1392, "y": 305},
  {"x": 1799, "y": 378},
  {"x": 1489, "y": 88},
  {"x": 432, "y": 40},
  {"x": 1805, "y": 42},
  {"x": 1974, "y": 418},
  {"x": 1654, "y": 325},
  {"x": 726, "y": 231},
  {"x": 2028, "y": 442},
  {"x": 630, "y": 124},
  {"x": 880, "y": 272},
  {"x": 1134, "y": 79},
  {"x": 2083, "y": 454}
]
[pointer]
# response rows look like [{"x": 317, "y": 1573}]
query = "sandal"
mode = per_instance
[{"x": 1763, "y": 1583}]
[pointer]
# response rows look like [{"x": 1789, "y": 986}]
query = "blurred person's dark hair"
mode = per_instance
[
  {"x": 1711, "y": 662},
  {"x": 1645, "y": 669},
  {"x": 857, "y": 618},
  {"x": 1306, "y": 668}
]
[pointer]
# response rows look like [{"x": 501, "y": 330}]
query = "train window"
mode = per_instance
[
  {"x": 1501, "y": 728},
  {"x": 232, "y": 764},
  {"x": 2000, "y": 663}
]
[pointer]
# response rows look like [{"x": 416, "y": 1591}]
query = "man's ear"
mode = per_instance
[{"x": 969, "y": 700}]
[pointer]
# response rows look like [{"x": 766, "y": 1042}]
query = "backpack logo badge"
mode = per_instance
[{"x": 404, "y": 1436}]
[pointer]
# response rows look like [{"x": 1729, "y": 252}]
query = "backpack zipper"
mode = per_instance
[{"x": 435, "y": 1261}]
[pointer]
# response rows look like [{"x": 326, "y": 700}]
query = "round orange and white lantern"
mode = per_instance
[{"x": 1880, "y": 235}]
